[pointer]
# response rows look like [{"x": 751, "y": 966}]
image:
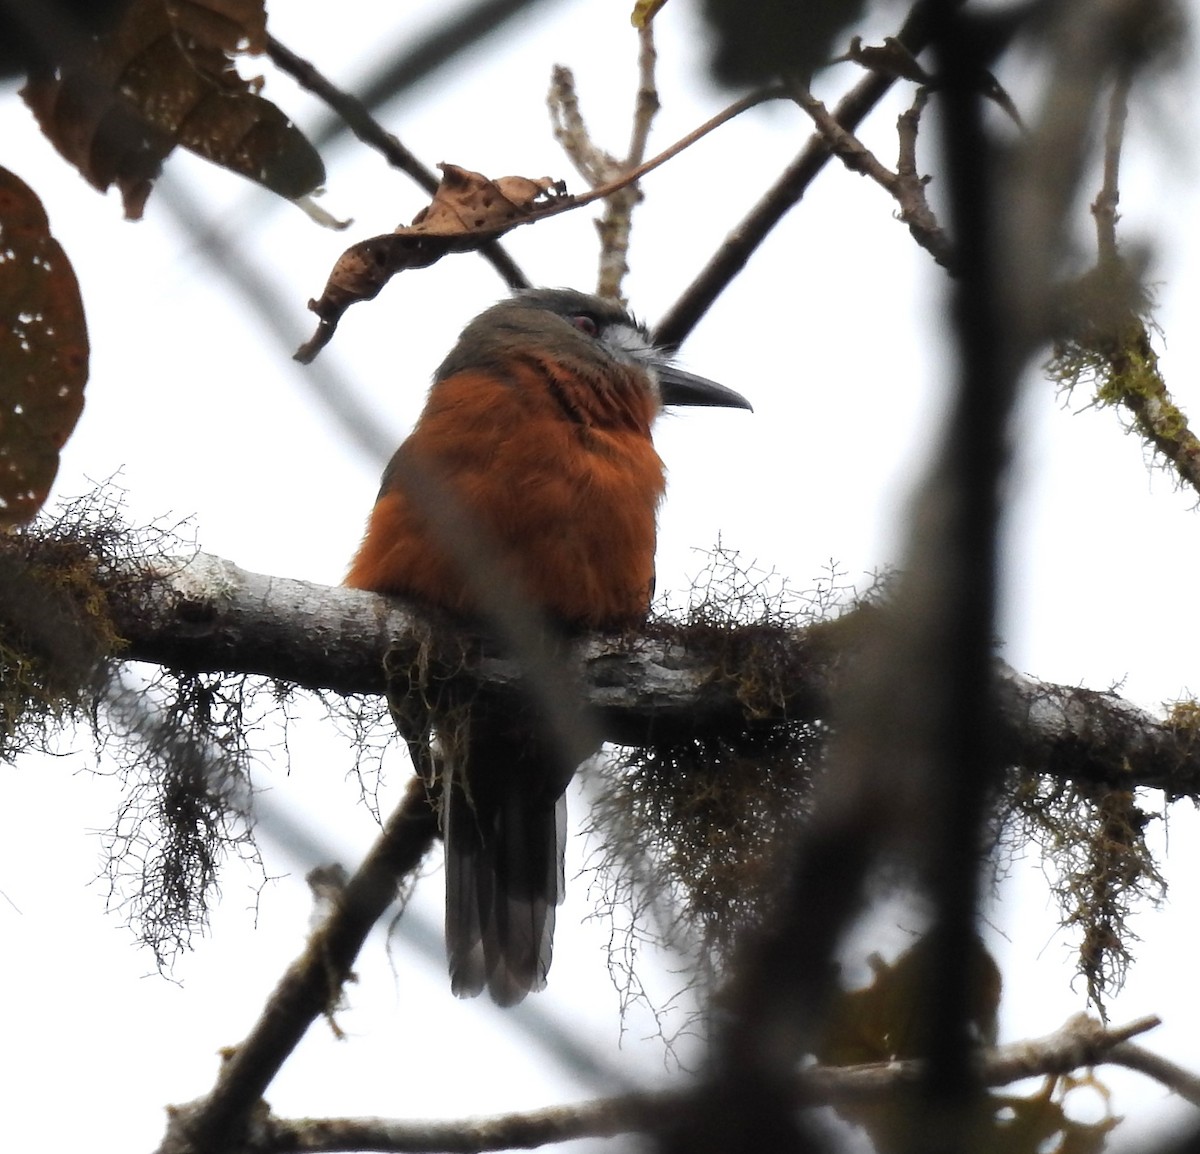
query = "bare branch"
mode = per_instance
[
  {"x": 905, "y": 185},
  {"x": 600, "y": 168},
  {"x": 647, "y": 103},
  {"x": 1081, "y": 1042},
  {"x": 353, "y": 112},
  {"x": 1104, "y": 208},
  {"x": 784, "y": 194},
  {"x": 1113, "y": 343},
  {"x": 1176, "y": 1078}
]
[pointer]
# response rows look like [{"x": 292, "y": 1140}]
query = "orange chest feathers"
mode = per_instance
[{"x": 567, "y": 505}]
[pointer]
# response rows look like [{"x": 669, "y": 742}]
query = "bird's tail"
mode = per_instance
[{"x": 504, "y": 826}]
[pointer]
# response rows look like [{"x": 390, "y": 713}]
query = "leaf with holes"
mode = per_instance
[
  {"x": 163, "y": 76},
  {"x": 43, "y": 352},
  {"x": 467, "y": 211}
]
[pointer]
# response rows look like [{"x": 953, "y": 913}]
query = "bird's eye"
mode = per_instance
[{"x": 586, "y": 324}]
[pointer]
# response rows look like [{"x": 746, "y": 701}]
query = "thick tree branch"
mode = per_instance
[{"x": 206, "y": 614}]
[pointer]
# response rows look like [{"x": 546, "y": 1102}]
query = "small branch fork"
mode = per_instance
[
  {"x": 1081, "y": 1042},
  {"x": 598, "y": 167},
  {"x": 615, "y": 181},
  {"x": 905, "y": 184}
]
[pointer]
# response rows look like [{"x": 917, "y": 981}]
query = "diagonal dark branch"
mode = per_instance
[
  {"x": 421, "y": 57},
  {"x": 309, "y": 988},
  {"x": 783, "y": 195}
]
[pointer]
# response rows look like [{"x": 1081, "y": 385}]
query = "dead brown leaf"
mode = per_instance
[
  {"x": 164, "y": 76},
  {"x": 467, "y": 211},
  {"x": 43, "y": 352}
]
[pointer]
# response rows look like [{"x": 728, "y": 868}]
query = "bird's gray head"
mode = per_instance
[{"x": 577, "y": 327}]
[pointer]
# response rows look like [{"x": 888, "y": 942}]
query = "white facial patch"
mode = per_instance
[{"x": 631, "y": 345}]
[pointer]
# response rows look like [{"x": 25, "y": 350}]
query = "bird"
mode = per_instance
[{"x": 532, "y": 461}]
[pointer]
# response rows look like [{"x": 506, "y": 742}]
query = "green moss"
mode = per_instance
[
  {"x": 1106, "y": 345},
  {"x": 57, "y": 641},
  {"x": 691, "y": 834},
  {"x": 1092, "y": 841}
]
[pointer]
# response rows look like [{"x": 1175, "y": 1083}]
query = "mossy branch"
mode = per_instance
[
  {"x": 1108, "y": 326},
  {"x": 205, "y": 614}
]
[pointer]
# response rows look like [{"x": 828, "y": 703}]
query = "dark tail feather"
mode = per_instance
[{"x": 504, "y": 878}]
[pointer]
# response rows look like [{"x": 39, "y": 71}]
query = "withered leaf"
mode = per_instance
[
  {"x": 467, "y": 211},
  {"x": 162, "y": 77},
  {"x": 43, "y": 352},
  {"x": 101, "y": 135},
  {"x": 883, "y": 1022},
  {"x": 888, "y": 1020}
]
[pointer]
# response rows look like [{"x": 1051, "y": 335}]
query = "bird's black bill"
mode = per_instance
[{"x": 681, "y": 388}]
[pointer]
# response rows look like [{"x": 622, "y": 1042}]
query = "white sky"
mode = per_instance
[{"x": 833, "y": 331}]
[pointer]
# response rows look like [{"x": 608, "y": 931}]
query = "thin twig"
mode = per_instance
[
  {"x": 914, "y": 204},
  {"x": 783, "y": 195},
  {"x": 615, "y": 225},
  {"x": 569, "y": 203},
  {"x": 855, "y": 155},
  {"x": 353, "y": 112},
  {"x": 591, "y": 162},
  {"x": 598, "y": 167},
  {"x": 1104, "y": 208},
  {"x": 647, "y": 103},
  {"x": 906, "y": 186},
  {"x": 1081, "y": 1042},
  {"x": 1182, "y": 1082}
]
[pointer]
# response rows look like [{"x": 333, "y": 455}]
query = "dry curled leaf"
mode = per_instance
[
  {"x": 43, "y": 352},
  {"x": 163, "y": 76},
  {"x": 467, "y": 211},
  {"x": 884, "y": 1021}
]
